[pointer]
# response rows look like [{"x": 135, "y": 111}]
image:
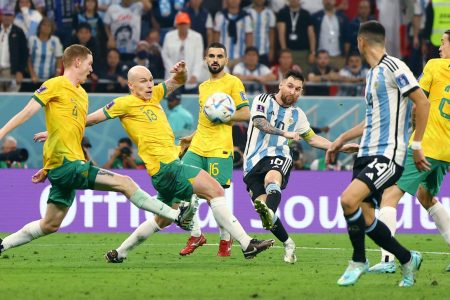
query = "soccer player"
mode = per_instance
[
  {"x": 66, "y": 104},
  {"x": 435, "y": 82},
  {"x": 267, "y": 160},
  {"x": 146, "y": 123},
  {"x": 382, "y": 152},
  {"x": 215, "y": 158}
]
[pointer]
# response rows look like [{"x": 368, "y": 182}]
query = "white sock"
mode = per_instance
[
  {"x": 224, "y": 234},
  {"x": 25, "y": 235},
  {"x": 226, "y": 219},
  {"x": 388, "y": 215},
  {"x": 143, "y": 200},
  {"x": 196, "y": 231},
  {"x": 137, "y": 237},
  {"x": 442, "y": 220}
]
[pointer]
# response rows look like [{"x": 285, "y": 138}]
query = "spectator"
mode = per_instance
[
  {"x": 276, "y": 5},
  {"x": 185, "y": 44},
  {"x": 27, "y": 17},
  {"x": 62, "y": 12},
  {"x": 9, "y": 145},
  {"x": 312, "y": 6},
  {"x": 46, "y": 52},
  {"x": 364, "y": 15},
  {"x": 122, "y": 157},
  {"x": 285, "y": 64},
  {"x": 263, "y": 31},
  {"x": 116, "y": 72},
  {"x": 331, "y": 29},
  {"x": 83, "y": 36},
  {"x": 89, "y": 14},
  {"x": 354, "y": 72},
  {"x": 201, "y": 20},
  {"x": 321, "y": 72},
  {"x": 233, "y": 28},
  {"x": 103, "y": 6},
  {"x": 251, "y": 70},
  {"x": 154, "y": 54},
  {"x": 180, "y": 119},
  {"x": 298, "y": 159},
  {"x": 164, "y": 13},
  {"x": 319, "y": 164},
  {"x": 13, "y": 53},
  {"x": 296, "y": 32},
  {"x": 123, "y": 26}
]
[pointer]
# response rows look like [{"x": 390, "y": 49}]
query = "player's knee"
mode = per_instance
[
  {"x": 50, "y": 227},
  {"x": 126, "y": 184},
  {"x": 348, "y": 203},
  {"x": 217, "y": 191}
]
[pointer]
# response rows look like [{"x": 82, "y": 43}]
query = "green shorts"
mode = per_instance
[
  {"x": 69, "y": 177},
  {"x": 430, "y": 180},
  {"x": 221, "y": 169},
  {"x": 174, "y": 181}
]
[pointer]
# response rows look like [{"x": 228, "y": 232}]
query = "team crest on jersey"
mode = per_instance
[
  {"x": 291, "y": 121},
  {"x": 402, "y": 81},
  {"x": 243, "y": 96},
  {"x": 109, "y": 105},
  {"x": 41, "y": 89},
  {"x": 260, "y": 108}
]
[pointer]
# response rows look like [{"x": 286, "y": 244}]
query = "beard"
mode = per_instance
[
  {"x": 288, "y": 101},
  {"x": 215, "y": 71}
]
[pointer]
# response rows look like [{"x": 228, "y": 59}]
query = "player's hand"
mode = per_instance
[
  {"x": 422, "y": 164},
  {"x": 292, "y": 135},
  {"x": 350, "y": 148},
  {"x": 40, "y": 176},
  {"x": 40, "y": 137},
  {"x": 335, "y": 146},
  {"x": 179, "y": 67}
]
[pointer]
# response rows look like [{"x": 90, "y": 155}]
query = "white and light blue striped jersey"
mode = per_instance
[
  {"x": 261, "y": 144},
  {"x": 388, "y": 110},
  {"x": 44, "y": 54},
  {"x": 262, "y": 23},
  {"x": 243, "y": 26}
]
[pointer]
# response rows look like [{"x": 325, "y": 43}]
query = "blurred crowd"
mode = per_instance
[{"x": 264, "y": 39}]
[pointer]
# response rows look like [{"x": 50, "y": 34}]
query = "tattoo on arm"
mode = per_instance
[
  {"x": 105, "y": 172},
  {"x": 172, "y": 85},
  {"x": 264, "y": 126}
]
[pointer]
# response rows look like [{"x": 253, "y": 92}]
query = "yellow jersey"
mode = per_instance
[
  {"x": 66, "y": 109},
  {"x": 146, "y": 124},
  {"x": 211, "y": 139},
  {"x": 435, "y": 81}
]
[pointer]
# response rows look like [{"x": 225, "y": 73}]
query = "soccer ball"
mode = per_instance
[{"x": 219, "y": 108}]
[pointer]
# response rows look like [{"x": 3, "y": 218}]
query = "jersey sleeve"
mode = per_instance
[
  {"x": 45, "y": 93},
  {"x": 238, "y": 94},
  {"x": 159, "y": 92},
  {"x": 405, "y": 80},
  {"x": 260, "y": 106},
  {"x": 116, "y": 108},
  {"x": 426, "y": 78},
  {"x": 303, "y": 127}
]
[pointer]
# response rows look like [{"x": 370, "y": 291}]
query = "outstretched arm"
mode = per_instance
[
  {"x": 242, "y": 114},
  {"x": 26, "y": 113},
  {"x": 179, "y": 77},
  {"x": 96, "y": 117},
  {"x": 263, "y": 125}
]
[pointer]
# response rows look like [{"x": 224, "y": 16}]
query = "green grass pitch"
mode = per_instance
[{"x": 71, "y": 266}]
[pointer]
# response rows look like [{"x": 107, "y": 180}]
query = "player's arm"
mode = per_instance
[
  {"x": 96, "y": 117},
  {"x": 242, "y": 114},
  {"x": 262, "y": 124},
  {"x": 320, "y": 142},
  {"x": 21, "y": 117},
  {"x": 421, "y": 117},
  {"x": 350, "y": 134},
  {"x": 178, "y": 78}
]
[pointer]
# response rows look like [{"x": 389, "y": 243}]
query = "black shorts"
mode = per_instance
[
  {"x": 255, "y": 178},
  {"x": 379, "y": 173}
]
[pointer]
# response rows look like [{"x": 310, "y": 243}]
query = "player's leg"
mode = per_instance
[
  {"x": 105, "y": 180},
  {"x": 139, "y": 235},
  {"x": 221, "y": 169},
  {"x": 388, "y": 215},
  {"x": 197, "y": 239},
  {"x": 208, "y": 188},
  {"x": 59, "y": 202},
  {"x": 426, "y": 193}
]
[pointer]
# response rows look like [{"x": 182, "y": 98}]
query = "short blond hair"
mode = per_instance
[{"x": 73, "y": 52}]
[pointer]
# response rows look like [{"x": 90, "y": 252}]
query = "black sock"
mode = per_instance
[
  {"x": 273, "y": 200},
  {"x": 279, "y": 232},
  {"x": 355, "y": 228},
  {"x": 382, "y": 236}
]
